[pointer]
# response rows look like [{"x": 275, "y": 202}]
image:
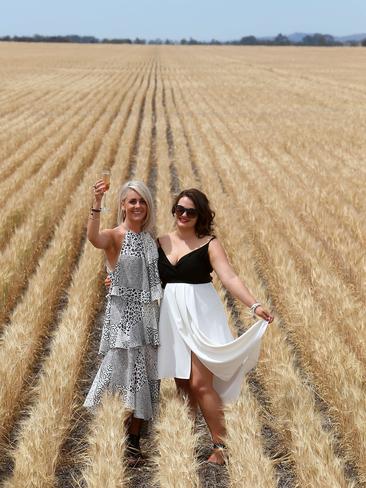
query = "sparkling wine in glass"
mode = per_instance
[{"x": 106, "y": 176}]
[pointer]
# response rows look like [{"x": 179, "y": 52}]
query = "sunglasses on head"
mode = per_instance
[{"x": 191, "y": 213}]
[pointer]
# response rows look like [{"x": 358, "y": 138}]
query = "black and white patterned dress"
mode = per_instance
[{"x": 130, "y": 336}]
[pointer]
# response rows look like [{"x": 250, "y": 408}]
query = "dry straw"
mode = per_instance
[
  {"x": 247, "y": 466},
  {"x": 176, "y": 441},
  {"x": 21, "y": 255},
  {"x": 15, "y": 211},
  {"x": 37, "y": 127},
  {"x": 37, "y": 137},
  {"x": 18, "y": 131},
  {"x": 104, "y": 459}
]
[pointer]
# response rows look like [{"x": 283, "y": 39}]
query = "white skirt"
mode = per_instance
[{"x": 192, "y": 318}]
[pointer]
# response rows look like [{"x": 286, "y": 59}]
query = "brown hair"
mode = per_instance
[{"x": 204, "y": 224}]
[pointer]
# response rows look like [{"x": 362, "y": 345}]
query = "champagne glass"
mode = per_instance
[{"x": 106, "y": 177}]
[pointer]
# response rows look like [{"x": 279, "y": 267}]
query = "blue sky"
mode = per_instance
[{"x": 174, "y": 19}]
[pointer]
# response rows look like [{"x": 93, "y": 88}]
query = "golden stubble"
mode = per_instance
[
  {"x": 276, "y": 140},
  {"x": 104, "y": 463}
]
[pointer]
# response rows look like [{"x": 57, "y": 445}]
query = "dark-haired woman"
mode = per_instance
[{"x": 196, "y": 345}]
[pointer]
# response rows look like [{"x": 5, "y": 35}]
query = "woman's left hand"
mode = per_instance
[{"x": 261, "y": 312}]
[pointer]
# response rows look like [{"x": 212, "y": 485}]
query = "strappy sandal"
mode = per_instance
[{"x": 222, "y": 449}]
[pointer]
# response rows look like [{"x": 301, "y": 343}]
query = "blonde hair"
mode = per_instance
[{"x": 140, "y": 188}]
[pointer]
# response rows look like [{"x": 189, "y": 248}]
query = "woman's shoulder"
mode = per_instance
[
  {"x": 118, "y": 234},
  {"x": 207, "y": 239},
  {"x": 118, "y": 231},
  {"x": 214, "y": 243},
  {"x": 165, "y": 238},
  {"x": 112, "y": 234}
]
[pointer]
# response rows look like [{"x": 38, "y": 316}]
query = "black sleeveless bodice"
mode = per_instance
[{"x": 194, "y": 267}]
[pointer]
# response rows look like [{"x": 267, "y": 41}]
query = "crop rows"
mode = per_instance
[{"x": 275, "y": 139}]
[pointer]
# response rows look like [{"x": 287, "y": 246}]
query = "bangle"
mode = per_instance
[
  {"x": 254, "y": 307},
  {"x": 96, "y": 209}
]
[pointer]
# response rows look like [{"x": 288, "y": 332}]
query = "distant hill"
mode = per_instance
[
  {"x": 353, "y": 37},
  {"x": 299, "y": 36}
]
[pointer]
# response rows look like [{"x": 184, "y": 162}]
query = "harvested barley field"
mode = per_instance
[{"x": 276, "y": 137}]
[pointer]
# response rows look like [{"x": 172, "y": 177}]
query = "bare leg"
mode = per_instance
[
  {"x": 184, "y": 390},
  {"x": 135, "y": 426},
  {"x": 210, "y": 404}
]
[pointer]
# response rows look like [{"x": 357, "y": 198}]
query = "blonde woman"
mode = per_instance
[{"x": 130, "y": 337}]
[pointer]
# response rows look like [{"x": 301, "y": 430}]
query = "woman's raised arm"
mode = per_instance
[
  {"x": 231, "y": 280},
  {"x": 100, "y": 239}
]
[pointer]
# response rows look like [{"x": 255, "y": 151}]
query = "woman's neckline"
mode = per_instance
[
  {"x": 187, "y": 254},
  {"x": 127, "y": 229}
]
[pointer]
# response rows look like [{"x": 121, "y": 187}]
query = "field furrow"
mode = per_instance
[
  {"x": 38, "y": 147},
  {"x": 55, "y": 161},
  {"x": 275, "y": 137},
  {"x": 295, "y": 224}
]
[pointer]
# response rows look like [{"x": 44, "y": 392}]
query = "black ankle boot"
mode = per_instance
[
  {"x": 133, "y": 451},
  {"x": 133, "y": 442}
]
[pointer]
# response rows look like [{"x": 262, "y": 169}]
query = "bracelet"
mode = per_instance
[
  {"x": 254, "y": 307},
  {"x": 96, "y": 209}
]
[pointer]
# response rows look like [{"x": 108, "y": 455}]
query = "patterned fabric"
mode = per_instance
[
  {"x": 130, "y": 335},
  {"x": 136, "y": 276},
  {"x": 132, "y": 373}
]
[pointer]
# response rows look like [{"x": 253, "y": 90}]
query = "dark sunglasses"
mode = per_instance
[{"x": 191, "y": 213}]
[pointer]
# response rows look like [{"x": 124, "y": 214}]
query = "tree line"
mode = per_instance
[{"x": 280, "y": 40}]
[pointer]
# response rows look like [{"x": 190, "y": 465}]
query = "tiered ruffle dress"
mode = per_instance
[
  {"x": 193, "y": 319},
  {"x": 130, "y": 336}
]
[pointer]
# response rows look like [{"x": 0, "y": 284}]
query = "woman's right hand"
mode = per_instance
[{"x": 99, "y": 189}]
